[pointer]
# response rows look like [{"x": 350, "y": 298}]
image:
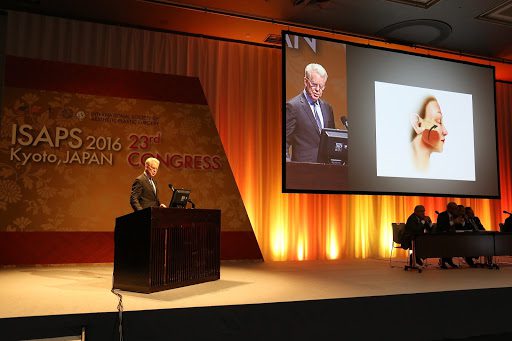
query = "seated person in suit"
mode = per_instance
[
  {"x": 445, "y": 223},
  {"x": 460, "y": 225},
  {"x": 416, "y": 224},
  {"x": 473, "y": 223},
  {"x": 306, "y": 115},
  {"x": 144, "y": 188},
  {"x": 507, "y": 225},
  {"x": 444, "y": 219}
]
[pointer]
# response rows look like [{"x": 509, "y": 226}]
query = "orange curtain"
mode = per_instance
[
  {"x": 314, "y": 226},
  {"x": 243, "y": 86}
]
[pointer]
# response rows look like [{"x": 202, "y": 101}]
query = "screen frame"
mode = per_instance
[
  {"x": 362, "y": 192},
  {"x": 175, "y": 195}
]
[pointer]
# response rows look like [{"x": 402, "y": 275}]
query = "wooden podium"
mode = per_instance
[{"x": 162, "y": 248}]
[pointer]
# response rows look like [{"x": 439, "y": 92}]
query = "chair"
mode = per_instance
[
  {"x": 498, "y": 259},
  {"x": 396, "y": 243},
  {"x": 398, "y": 232}
]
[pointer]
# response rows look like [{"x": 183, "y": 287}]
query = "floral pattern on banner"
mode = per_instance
[{"x": 67, "y": 161}]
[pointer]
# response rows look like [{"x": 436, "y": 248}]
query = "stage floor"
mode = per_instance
[{"x": 72, "y": 289}]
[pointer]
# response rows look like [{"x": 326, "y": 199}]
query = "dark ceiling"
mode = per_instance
[{"x": 474, "y": 27}]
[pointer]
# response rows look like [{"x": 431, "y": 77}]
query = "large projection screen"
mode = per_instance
[{"x": 416, "y": 125}]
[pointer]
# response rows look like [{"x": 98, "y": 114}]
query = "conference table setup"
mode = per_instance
[{"x": 463, "y": 244}]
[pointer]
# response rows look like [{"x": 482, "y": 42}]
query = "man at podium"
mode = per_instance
[
  {"x": 144, "y": 188},
  {"x": 306, "y": 115}
]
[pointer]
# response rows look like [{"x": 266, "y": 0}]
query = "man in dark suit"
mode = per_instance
[
  {"x": 445, "y": 219},
  {"x": 306, "y": 115},
  {"x": 445, "y": 223},
  {"x": 507, "y": 225},
  {"x": 473, "y": 223},
  {"x": 416, "y": 224},
  {"x": 144, "y": 188}
]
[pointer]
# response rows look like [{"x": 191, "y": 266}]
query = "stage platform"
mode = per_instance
[{"x": 362, "y": 298}]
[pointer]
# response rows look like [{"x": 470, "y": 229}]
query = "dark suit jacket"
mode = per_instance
[
  {"x": 301, "y": 129},
  {"x": 443, "y": 222},
  {"x": 477, "y": 224},
  {"x": 143, "y": 195},
  {"x": 413, "y": 227},
  {"x": 507, "y": 225}
]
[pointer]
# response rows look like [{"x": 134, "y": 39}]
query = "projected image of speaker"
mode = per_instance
[
  {"x": 333, "y": 148},
  {"x": 180, "y": 197},
  {"x": 418, "y": 125}
]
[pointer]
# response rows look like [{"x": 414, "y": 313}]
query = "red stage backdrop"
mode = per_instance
[{"x": 73, "y": 138}]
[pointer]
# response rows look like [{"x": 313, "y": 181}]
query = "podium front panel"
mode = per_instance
[{"x": 177, "y": 247}]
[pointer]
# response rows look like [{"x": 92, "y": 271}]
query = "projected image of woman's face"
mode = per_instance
[
  {"x": 412, "y": 139},
  {"x": 434, "y": 133},
  {"x": 429, "y": 133}
]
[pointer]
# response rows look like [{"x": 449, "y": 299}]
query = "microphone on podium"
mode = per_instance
[
  {"x": 507, "y": 212},
  {"x": 171, "y": 187},
  {"x": 192, "y": 203},
  {"x": 344, "y": 120},
  {"x": 437, "y": 212}
]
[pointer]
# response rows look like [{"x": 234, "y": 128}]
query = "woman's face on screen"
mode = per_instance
[{"x": 435, "y": 132}]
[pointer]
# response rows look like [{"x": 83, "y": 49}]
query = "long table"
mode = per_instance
[{"x": 463, "y": 244}]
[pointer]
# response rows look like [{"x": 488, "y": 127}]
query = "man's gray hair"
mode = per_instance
[
  {"x": 152, "y": 161},
  {"x": 310, "y": 68}
]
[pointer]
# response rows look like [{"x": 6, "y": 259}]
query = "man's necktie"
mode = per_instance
[
  {"x": 317, "y": 118},
  {"x": 152, "y": 184},
  {"x": 473, "y": 224}
]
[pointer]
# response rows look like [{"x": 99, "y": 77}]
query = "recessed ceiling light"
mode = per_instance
[
  {"x": 417, "y": 3},
  {"x": 273, "y": 39},
  {"x": 501, "y": 14}
]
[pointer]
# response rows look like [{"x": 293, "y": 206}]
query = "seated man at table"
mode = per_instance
[
  {"x": 445, "y": 218},
  {"x": 472, "y": 221},
  {"x": 474, "y": 224},
  {"x": 416, "y": 224},
  {"x": 507, "y": 225},
  {"x": 446, "y": 222},
  {"x": 461, "y": 224}
]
